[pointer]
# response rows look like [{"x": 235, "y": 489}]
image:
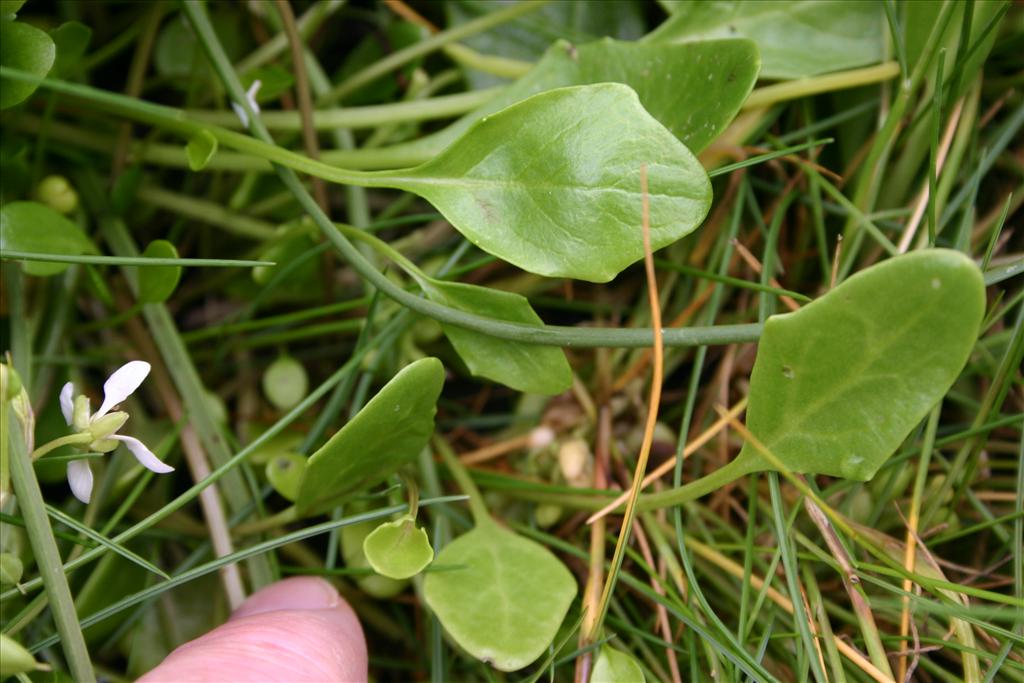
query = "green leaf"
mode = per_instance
[
  {"x": 505, "y": 600},
  {"x": 71, "y": 39},
  {"x": 285, "y": 383},
  {"x": 25, "y": 48},
  {"x": 722, "y": 71},
  {"x": 390, "y": 430},
  {"x": 552, "y": 184},
  {"x": 274, "y": 81},
  {"x": 11, "y": 568},
  {"x": 527, "y": 37},
  {"x": 374, "y": 585},
  {"x": 157, "y": 283},
  {"x": 285, "y": 472},
  {"x": 398, "y": 550},
  {"x": 200, "y": 149},
  {"x": 34, "y": 227},
  {"x": 524, "y": 367},
  {"x": 839, "y": 384},
  {"x": 10, "y": 7},
  {"x": 797, "y": 38},
  {"x": 613, "y": 666}
]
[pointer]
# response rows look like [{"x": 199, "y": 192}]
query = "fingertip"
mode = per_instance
[{"x": 298, "y": 629}]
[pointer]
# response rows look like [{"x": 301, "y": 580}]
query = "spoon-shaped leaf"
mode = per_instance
[
  {"x": 839, "y": 384},
  {"x": 391, "y": 429},
  {"x": 157, "y": 283},
  {"x": 613, "y": 666},
  {"x": 398, "y": 550},
  {"x": 507, "y": 598},
  {"x": 35, "y": 227},
  {"x": 797, "y": 38},
  {"x": 524, "y": 367},
  {"x": 552, "y": 184},
  {"x": 694, "y": 89}
]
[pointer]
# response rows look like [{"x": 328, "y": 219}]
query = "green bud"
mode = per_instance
[
  {"x": 108, "y": 424},
  {"x": 10, "y": 381},
  {"x": 11, "y": 568},
  {"x": 14, "y": 659},
  {"x": 547, "y": 514},
  {"x": 103, "y": 445},
  {"x": 80, "y": 413},
  {"x": 56, "y": 192}
]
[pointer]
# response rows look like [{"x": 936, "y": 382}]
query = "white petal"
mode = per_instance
[
  {"x": 250, "y": 99},
  {"x": 143, "y": 454},
  {"x": 80, "y": 479},
  {"x": 120, "y": 385},
  {"x": 67, "y": 401}
]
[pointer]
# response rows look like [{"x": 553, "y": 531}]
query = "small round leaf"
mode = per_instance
[
  {"x": 398, "y": 550},
  {"x": 157, "y": 283},
  {"x": 613, "y": 666},
  {"x": 285, "y": 472},
  {"x": 285, "y": 383},
  {"x": 27, "y": 49}
]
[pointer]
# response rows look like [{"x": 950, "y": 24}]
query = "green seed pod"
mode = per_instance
[
  {"x": 14, "y": 659},
  {"x": 56, "y": 192},
  {"x": 285, "y": 383}
]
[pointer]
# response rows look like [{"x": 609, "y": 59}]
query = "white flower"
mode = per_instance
[
  {"x": 250, "y": 99},
  {"x": 103, "y": 425}
]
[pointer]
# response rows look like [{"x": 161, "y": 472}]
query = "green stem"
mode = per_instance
[
  {"x": 465, "y": 482},
  {"x": 698, "y": 488},
  {"x": 68, "y": 440},
  {"x": 439, "y": 40},
  {"x": 37, "y": 525},
  {"x": 370, "y": 116},
  {"x": 12, "y": 255},
  {"x": 805, "y": 87}
]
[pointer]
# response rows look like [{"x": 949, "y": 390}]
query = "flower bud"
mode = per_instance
[
  {"x": 10, "y": 382},
  {"x": 14, "y": 659},
  {"x": 103, "y": 445},
  {"x": 108, "y": 424},
  {"x": 80, "y": 413},
  {"x": 56, "y": 192}
]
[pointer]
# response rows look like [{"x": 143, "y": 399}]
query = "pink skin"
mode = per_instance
[{"x": 298, "y": 629}]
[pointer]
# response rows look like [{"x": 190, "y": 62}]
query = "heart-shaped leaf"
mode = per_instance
[
  {"x": 839, "y": 384},
  {"x": 390, "y": 430},
  {"x": 398, "y": 550},
  {"x": 552, "y": 184},
  {"x": 285, "y": 472},
  {"x": 36, "y": 228},
  {"x": 613, "y": 666},
  {"x": 157, "y": 283},
  {"x": 524, "y": 367},
  {"x": 797, "y": 38},
  {"x": 28, "y": 49},
  {"x": 501, "y": 597}
]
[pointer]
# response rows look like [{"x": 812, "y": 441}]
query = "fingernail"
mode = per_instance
[{"x": 300, "y": 592}]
